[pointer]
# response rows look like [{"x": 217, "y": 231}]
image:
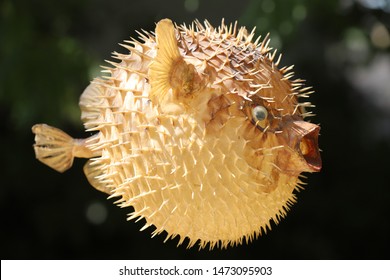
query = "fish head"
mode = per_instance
[
  {"x": 278, "y": 131},
  {"x": 237, "y": 95}
]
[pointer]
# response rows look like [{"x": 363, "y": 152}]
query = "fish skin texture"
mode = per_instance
[{"x": 198, "y": 129}]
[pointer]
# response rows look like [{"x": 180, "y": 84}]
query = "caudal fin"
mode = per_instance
[{"x": 53, "y": 147}]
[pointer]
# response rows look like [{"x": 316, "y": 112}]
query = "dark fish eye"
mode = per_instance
[{"x": 259, "y": 113}]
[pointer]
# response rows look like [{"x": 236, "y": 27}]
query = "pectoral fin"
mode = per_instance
[{"x": 168, "y": 70}]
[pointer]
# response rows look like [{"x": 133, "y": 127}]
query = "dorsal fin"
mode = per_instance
[{"x": 169, "y": 70}]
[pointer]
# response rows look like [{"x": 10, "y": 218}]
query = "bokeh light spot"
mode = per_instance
[
  {"x": 268, "y": 6},
  {"x": 191, "y": 5},
  {"x": 299, "y": 12},
  {"x": 380, "y": 37},
  {"x": 357, "y": 45},
  {"x": 96, "y": 213}
]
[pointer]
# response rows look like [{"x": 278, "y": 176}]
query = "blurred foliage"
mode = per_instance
[
  {"x": 42, "y": 65},
  {"x": 50, "y": 50}
]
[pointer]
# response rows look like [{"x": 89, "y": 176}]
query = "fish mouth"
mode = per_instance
[{"x": 308, "y": 147}]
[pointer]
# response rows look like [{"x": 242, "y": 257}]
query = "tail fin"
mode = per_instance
[{"x": 53, "y": 147}]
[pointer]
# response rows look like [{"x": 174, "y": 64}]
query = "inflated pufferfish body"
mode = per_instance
[{"x": 198, "y": 130}]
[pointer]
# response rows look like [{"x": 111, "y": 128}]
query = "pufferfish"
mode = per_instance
[{"x": 198, "y": 130}]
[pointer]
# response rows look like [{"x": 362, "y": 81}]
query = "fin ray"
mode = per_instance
[
  {"x": 90, "y": 103},
  {"x": 169, "y": 70},
  {"x": 93, "y": 171},
  {"x": 53, "y": 147}
]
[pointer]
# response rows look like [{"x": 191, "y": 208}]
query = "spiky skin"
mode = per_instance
[{"x": 176, "y": 142}]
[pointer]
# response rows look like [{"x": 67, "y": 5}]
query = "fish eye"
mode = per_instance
[
  {"x": 259, "y": 116},
  {"x": 259, "y": 113}
]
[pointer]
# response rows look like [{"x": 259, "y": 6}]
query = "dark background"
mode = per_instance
[{"x": 49, "y": 52}]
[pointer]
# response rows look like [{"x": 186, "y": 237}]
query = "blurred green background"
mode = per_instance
[{"x": 50, "y": 50}]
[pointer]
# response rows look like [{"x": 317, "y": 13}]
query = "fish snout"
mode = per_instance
[
  {"x": 308, "y": 145},
  {"x": 304, "y": 140}
]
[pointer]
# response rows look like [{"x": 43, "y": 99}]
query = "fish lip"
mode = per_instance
[{"x": 308, "y": 148}]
